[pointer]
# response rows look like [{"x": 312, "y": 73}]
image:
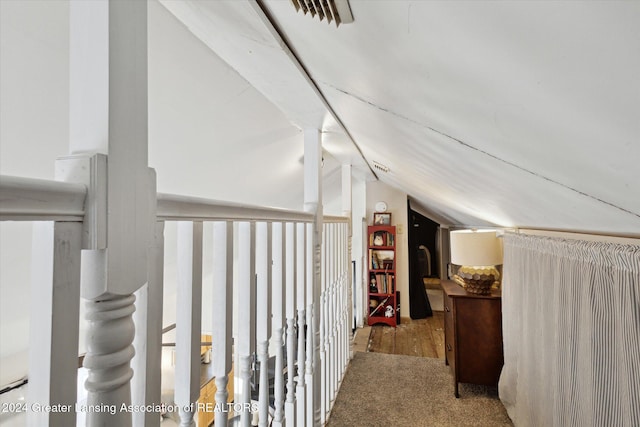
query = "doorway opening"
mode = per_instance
[{"x": 424, "y": 265}]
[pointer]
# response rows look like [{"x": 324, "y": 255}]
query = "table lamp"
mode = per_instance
[{"x": 477, "y": 252}]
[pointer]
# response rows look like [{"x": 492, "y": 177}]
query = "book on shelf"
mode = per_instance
[
  {"x": 375, "y": 260},
  {"x": 381, "y": 259}
]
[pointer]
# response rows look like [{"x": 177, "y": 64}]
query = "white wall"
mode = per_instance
[
  {"x": 34, "y": 130},
  {"x": 397, "y": 204}
]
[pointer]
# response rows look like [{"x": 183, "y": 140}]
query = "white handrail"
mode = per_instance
[{"x": 29, "y": 199}]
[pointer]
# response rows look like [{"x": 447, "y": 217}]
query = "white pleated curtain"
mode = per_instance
[{"x": 571, "y": 325}]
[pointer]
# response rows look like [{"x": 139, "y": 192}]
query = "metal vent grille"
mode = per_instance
[
  {"x": 381, "y": 167},
  {"x": 337, "y": 11}
]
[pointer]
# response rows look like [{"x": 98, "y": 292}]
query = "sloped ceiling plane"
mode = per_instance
[{"x": 515, "y": 114}]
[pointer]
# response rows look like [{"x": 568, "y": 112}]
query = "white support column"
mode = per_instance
[
  {"x": 263, "y": 315},
  {"x": 290, "y": 308},
  {"x": 89, "y": 77},
  {"x": 278, "y": 305},
  {"x": 108, "y": 114},
  {"x": 222, "y": 315},
  {"x": 247, "y": 315},
  {"x": 347, "y": 202},
  {"x": 148, "y": 340},
  {"x": 55, "y": 287},
  {"x": 188, "y": 320},
  {"x": 301, "y": 397},
  {"x": 313, "y": 203}
]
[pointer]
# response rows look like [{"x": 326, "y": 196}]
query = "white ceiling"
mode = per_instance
[{"x": 519, "y": 114}]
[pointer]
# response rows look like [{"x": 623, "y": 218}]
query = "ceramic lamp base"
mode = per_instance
[{"x": 478, "y": 280}]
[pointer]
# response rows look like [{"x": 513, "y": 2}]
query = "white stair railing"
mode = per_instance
[{"x": 273, "y": 278}]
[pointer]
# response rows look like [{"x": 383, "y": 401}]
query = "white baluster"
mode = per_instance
[
  {"x": 147, "y": 363},
  {"x": 278, "y": 321},
  {"x": 336, "y": 305},
  {"x": 324, "y": 328},
  {"x": 263, "y": 315},
  {"x": 188, "y": 320},
  {"x": 344, "y": 320},
  {"x": 340, "y": 306},
  {"x": 351, "y": 294},
  {"x": 324, "y": 392},
  {"x": 55, "y": 280},
  {"x": 310, "y": 363},
  {"x": 348, "y": 318},
  {"x": 246, "y": 315},
  {"x": 221, "y": 329},
  {"x": 332, "y": 312},
  {"x": 290, "y": 275},
  {"x": 301, "y": 390},
  {"x": 109, "y": 353}
]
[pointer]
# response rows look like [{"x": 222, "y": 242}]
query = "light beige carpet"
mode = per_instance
[{"x": 386, "y": 390}]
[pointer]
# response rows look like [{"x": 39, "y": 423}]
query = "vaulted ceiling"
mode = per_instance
[{"x": 506, "y": 113}]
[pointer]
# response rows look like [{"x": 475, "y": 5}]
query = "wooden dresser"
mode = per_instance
[{"x": 473, "y": 335}]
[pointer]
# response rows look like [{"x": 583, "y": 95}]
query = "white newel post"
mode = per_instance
[
  {"x": 108, "y": 114},
  {"x": 263, "y": 315},
  {"x": 277, "y": 303},
  {"x": 313, "y": 204},
  {"x": 222, "y": 316},
  {"x": 188, "y": 320}
]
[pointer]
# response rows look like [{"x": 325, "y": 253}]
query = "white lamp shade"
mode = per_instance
[{"x": 475, "y": 248}]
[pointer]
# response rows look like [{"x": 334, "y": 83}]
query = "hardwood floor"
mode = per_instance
[{"x": 421, "y": 337}]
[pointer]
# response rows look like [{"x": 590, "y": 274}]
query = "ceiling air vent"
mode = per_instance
[
  {"x": 337, "y": 11},
  {"x": 381, "y": 167}
]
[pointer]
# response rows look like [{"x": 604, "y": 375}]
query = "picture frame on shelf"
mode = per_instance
[{"x": 382, "y": 218}]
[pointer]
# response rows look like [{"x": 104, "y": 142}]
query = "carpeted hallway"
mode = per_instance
[
  {"x": 394, "y": 390},
  {"x": 398, "y": 378}
]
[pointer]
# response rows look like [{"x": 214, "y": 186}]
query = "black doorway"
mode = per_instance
[{"x": 423, "y": 261}]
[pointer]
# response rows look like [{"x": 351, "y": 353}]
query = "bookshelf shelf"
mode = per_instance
[{"x": 382, "y": 275}]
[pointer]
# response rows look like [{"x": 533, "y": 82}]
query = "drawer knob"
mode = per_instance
[
  {"x": 448, "y": 347},
  {"x": 446, "y": 309}
]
